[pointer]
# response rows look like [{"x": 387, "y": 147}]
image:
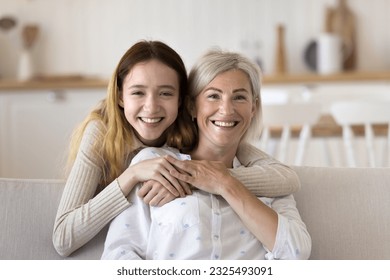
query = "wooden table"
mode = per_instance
[{"x": 327, "y": 127}]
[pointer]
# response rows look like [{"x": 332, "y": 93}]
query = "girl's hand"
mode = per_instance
[
  {"x": 155, "y": 194},
  {"x": 215, "y": 178},
  {"x": 210, "y": 176},
  {"x": 157, "y": 169}
]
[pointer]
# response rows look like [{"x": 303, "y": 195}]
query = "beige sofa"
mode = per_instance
[{"x": 347, "y": 212}]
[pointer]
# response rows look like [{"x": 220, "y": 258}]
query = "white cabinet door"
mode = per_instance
[{"x": 35, "y": 128}]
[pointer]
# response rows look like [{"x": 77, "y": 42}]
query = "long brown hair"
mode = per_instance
[{"x": 117, "y": 140}]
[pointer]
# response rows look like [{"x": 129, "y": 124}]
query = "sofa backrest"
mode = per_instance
[{"x": 347, "y": 213}]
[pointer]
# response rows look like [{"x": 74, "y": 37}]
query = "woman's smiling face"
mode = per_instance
[
  {"x": 224, "y": 110},
  {"x": 151, "y": 100}
]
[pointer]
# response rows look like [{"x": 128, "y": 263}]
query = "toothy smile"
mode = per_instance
[
  {"x": 224, "y": 124},
  {"x": 150, "y": 120}
]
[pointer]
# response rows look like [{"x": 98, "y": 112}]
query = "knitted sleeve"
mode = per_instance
[
  {"x": 81, "y": 214},
  {"x": 264, "y": 175}
]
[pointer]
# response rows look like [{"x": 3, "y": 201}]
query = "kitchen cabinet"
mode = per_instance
[{"x": 35, "y": 126}]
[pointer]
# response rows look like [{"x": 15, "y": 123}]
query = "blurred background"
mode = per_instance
[
  {"x": 88, "y": 37},
  {"x": 56, "y": 57}
]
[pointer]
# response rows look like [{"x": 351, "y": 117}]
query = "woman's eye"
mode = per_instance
[
  {"x": 213, "y": 96},
  {"x": 240, "y": 97}
]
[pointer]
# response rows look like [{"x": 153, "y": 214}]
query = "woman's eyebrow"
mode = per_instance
[
  {"x": 234, "y": 91},
  {"x": 213, "y": 88},
  {"x": 241, "y": 90}
]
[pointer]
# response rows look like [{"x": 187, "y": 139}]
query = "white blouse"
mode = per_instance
[{"x": 200, "y": 226}]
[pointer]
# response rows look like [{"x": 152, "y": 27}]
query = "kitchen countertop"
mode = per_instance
[
  {"x": 79, "y": 81},
  {"x": 308, "y": 78},
  {"x": 54, "y": 83}
]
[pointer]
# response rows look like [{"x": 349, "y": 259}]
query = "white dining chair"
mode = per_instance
[
  {"x": 287, "y": 116},
  {"x": 365, "y": 113}
]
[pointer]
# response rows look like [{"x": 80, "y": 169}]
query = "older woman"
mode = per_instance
[{"x": 222, "y": 219}]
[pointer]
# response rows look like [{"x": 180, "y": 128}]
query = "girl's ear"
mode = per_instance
[{"x": 120, "y": 100}]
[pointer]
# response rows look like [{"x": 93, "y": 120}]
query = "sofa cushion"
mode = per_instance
[
  {"x": 347, "y": 211},
  {"x": 27, "y": 213}
]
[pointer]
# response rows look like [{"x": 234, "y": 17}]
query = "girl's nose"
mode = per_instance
[{"x": 151, "y": 104}]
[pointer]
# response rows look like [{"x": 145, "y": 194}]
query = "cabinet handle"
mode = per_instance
[{"x": 55, "y": 96}]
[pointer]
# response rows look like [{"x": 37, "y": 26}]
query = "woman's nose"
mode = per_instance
[{"x": 226, "y": 107}]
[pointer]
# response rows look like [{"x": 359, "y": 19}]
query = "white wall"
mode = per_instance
[{"x": 89, "y": 36}]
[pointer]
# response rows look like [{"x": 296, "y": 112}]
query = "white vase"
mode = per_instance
[
  {"x": 329, "y": 54},
  {"x": 25, "y": 70}
]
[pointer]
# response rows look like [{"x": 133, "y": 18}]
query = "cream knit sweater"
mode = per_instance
[{"x": 82, "y": 214}]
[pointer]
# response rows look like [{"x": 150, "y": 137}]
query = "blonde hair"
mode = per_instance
[
  {"x": 215, "y": 62},
  {"x": 117, "y": 139}
]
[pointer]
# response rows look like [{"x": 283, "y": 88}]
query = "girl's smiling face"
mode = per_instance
[{"x": 151, "y": 100}]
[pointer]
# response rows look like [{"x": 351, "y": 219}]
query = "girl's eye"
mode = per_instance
[
  {"x": 166, "y": 93},
  {"x": 137, "y": 93}
]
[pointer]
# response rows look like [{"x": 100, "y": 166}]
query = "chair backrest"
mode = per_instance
[
  {"x": 272, "y": 96},
  {"x": 361, "y": 112},
  {"x": 286, "y": 116},
  {"x": 365, "y": 113},
  {"x": 291, "y": 114}
]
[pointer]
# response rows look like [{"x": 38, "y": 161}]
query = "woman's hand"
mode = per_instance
[
  {"x": 210, "y": 176},
  {"x": 155, "y": 194},
  {"x": 215, "y": 178},
  {"x": 157, "y": 169}
]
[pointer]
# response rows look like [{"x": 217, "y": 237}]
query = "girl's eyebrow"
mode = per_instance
[
  {"x": 137, "y": 86},
  {"x": 144, "y": 86}
]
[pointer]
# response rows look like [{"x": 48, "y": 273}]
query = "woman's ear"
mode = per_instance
[
  {"x": 191, "y": 108},
  {"x": 255, "y": 106},
  {"x": 193, "y": 114}
]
